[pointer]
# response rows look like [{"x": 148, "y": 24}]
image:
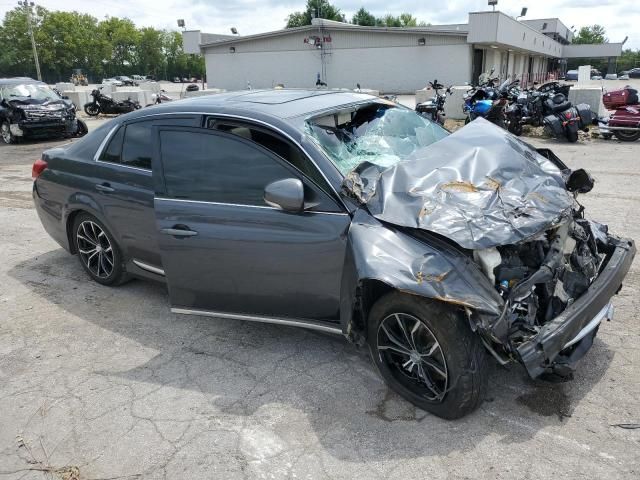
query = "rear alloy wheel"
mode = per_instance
[
  {"x": 427, "y": 353},
  {"x": 7, "y": 136},
  {"x": 98, "y": 253},
  {"x": 627, "y": 135}
]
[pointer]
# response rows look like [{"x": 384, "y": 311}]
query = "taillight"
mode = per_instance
[{"x": 39, "y": 166}]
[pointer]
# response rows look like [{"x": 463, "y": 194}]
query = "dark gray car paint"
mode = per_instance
[
  {"x": 308, "y": 265},
  {"x": 480, "y": 186}
]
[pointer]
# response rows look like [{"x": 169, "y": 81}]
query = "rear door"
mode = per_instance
[
  {"x": 125, "y": 184},
  {"x": 224, "y": 250}
]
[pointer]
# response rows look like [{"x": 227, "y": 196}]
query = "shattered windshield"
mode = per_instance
[
  {"x": 32, "y": 91},
  {"x": 378, "y": 133}
]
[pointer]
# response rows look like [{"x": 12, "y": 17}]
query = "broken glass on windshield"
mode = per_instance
[{"x": 379, "y": 133}]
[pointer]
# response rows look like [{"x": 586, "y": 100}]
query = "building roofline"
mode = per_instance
[{"x": 461, "y": 30}]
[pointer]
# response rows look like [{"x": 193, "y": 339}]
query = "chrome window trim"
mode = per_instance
[
  {"x": 147, "y": 267},
  {"x": 266, "y": 207},
  {"x": 266, "y": 124},
  {"x": 290, "y": 322},
  {"x": 102, "y": 146},
  {"x": 104, "y": 142}
]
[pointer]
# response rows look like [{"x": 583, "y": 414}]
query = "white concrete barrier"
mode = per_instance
[
  {"x": 201, "y": 93},
  {"x": 369, "y": 91},
  {"x": 106, "y": 88},
  {"x": 150, "y": 86},
  {"x": 453, "y": 104},
  {"x": 65, "y": 86},
  {"x": 590, "y": 95},
  {"x": 143, "y": 97},
  {"x": 78, "y": 98}
]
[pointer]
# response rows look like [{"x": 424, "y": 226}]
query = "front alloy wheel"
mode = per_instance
[
  {"x": 415, "y": 355},
  {"x": 426, "y": 352},
  {"x": 7, "y": 136}
]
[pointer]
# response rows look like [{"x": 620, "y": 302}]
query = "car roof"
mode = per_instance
[
  {"x": 19, "y": 81},
  {"x": 280, "y": 103}
]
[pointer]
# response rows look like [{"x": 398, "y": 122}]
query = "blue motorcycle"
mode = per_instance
[{"x": 489, "y": 102}]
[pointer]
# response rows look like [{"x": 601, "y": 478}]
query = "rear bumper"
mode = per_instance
[{"x": 566, "y": 339}]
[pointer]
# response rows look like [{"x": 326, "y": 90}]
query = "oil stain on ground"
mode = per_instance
[{"x": 547, "y": 401}]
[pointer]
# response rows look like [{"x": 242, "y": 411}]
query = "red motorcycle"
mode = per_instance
[{"x": 624, "y": 122}]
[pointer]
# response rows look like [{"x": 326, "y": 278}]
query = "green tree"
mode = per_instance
[
  {"x": 122, "y": 37},
  {"x": 592, "y": 34},
  {"x": 408, "y": 20},
  {"x": 68, "y": 40},
  {"x": 149, "y": 52},
  {"x": 16, "y": 55},
  {"x": 402, "y": 20},
  {"x": 364, "y": 18},
  {"x": 317, "y": 8},
  {"x": 629, "y": 59}
]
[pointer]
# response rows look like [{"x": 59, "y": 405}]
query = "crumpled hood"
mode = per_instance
[
  {"x": 480, "y": 187},
  {"x": 30, "y": 104}
]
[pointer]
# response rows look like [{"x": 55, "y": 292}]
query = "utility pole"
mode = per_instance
[{"x": 27, "y": 7}]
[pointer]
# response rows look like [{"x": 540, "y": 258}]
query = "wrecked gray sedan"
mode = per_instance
[{"x": 348, "y": 214}]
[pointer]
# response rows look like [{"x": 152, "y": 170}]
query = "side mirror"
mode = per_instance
[
  {"x": 286, "y": 194},
  {"x": 580, "y": 181}
]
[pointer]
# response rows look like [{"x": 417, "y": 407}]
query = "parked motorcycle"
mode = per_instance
[
  {"x": 105, "y": 104},
  {"x": 548, "y": 106},
  {"x": 564, "y": 119},
  {"x": 434, "y": 108},
  {"x": 529, "y": 107},
  {"x": 624, "y": 122},
  {"x": 490, "y": 102},
  {"x": 160, "y": 97}
]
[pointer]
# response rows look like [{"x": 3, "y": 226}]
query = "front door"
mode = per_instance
[{"x": 224, "y": 250}]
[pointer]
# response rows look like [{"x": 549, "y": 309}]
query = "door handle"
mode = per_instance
[
  {"x": 105, "y": 187},
  {"x": 179, "y": 231}
]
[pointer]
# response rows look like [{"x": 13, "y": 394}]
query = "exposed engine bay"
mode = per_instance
[{"x": 539, "y": 278}]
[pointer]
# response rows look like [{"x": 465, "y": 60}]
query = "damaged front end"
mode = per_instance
[
  {"x": 510, "y": 213},
  {"x": 557, "y": 289}
]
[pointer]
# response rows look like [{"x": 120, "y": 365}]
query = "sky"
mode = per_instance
[{"x": 619, "y": 17}]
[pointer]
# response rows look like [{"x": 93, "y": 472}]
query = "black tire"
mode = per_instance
[
  {"x": 7, "y": 136},
  {"x": 626, "y": 136},
  {"x": 92, "y": 109},
  {"x": 82, "y": 128},
  {"x": 460, "y": 355},
  {"x": 467, "y": 119},
  {"x": 515, "y": 127},
  {"x": 84, "y": 237},
  {"x": 572, "y": 135}
]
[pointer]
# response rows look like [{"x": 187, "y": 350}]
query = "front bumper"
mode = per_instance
[
  {"x": 45, "y": 127},
  {"x": 566, "y": 339}
]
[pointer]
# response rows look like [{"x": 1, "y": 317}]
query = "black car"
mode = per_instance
[
  {"x": 126, "y": 81},
  {"x": 31, "y": 109},
  {"x": 634, "y": 73},
  {"x": 348, "y": 214}
]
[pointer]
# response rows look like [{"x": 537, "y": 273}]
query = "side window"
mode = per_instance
[
  {"x": 216, "y": 168},
  {"x": 274, "y": 143},
  {"x": 137, "y": 147},
  {"x": 132, "y": 144},
  {"x": 114, "y": 149}
]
